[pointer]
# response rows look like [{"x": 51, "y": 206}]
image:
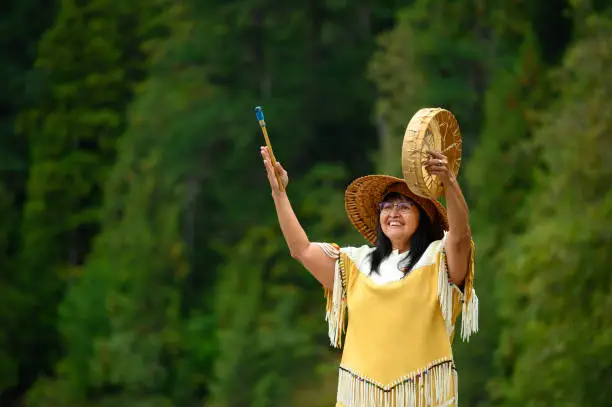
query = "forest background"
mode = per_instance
[{"x": 141, "y": 260}]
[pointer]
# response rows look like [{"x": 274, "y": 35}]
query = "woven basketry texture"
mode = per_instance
[
  {"x": 430, "y": 129},
  {"x": 364, "y": 194}
]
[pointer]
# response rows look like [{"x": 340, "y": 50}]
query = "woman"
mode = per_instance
[{"x": 403, "y": 293}]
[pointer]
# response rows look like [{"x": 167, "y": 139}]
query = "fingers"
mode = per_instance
[
  {"x": 282, "y": 174},
  {"x": 439, "y": 173},
  {"x": 270, "y": 173},
  {"x": 266, "y": 156},
  {"x": 436, "y": 154},
  {"x": 436, "y": 162},
  {"x": 266, "y": 161},
  {"x": 268, "y": 166},
  {"x": 280, "y": 169},
  {"x": 264, "y": 153},
  {"x": 273, "y": 171},
  {"x": 435, "y": 157},
  {"x": 435, "y": 171}
]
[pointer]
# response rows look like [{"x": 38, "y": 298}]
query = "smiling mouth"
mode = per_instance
[{"x": 394, "y": 224}]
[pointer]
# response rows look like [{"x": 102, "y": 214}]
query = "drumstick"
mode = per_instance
[{"x": 262, "y": 123}]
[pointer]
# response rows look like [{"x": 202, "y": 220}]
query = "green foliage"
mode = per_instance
[
  {"x": 499, "y": 175},
  {"x": 122, "y": 320},
  {"x": 268, "y": 306},
  {"x": 557, "y": 284},
  {"x": 73, "y": 130},
  {"x": 114, "y": 348},
  {"x": 90, "y": 59},
  {"x": 11, "y": 301},
  {"x": 429, "y": 60},
  {"x": 148, "y": 222},
  {"x": 21, "y": 24}
]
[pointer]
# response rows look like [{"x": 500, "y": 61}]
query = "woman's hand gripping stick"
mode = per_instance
[{"x": 262, "y": 123}]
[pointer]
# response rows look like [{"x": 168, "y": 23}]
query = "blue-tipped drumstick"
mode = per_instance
[{"x": 262, "y": 123}]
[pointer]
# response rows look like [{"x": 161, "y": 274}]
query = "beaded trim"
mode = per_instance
[{"x": 430, "y": 386}]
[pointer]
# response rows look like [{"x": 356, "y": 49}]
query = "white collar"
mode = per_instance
[{"x": 395, "y": 257}]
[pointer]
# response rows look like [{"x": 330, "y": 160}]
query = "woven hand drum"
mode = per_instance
[{"x": 430, "y": 129}]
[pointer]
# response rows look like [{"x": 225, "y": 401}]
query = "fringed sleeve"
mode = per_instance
[
  {"x": 455, "y": 301},
  {"x": 335, "y": 309}
]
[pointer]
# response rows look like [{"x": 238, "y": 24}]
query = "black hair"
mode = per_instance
[{"x": 420, "y": 240}]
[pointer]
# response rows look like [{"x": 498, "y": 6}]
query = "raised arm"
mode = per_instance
[
  {"x": 310, "y": 255},
  {"x": 459, "y": 237}
]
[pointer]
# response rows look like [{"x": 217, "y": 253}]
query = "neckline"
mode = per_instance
[
  {"x": 396, "y": 258},
  {"x": 389, "y": 283}
]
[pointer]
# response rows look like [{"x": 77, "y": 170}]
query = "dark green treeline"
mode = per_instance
[{"x": 142, "y": 264}]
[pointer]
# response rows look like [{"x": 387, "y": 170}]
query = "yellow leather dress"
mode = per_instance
[{"x": 397, "y": 346}]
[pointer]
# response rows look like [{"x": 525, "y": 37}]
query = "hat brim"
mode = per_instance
[{"x": 364, "y": 194}]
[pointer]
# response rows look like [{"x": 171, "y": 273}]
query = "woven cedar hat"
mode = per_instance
[{"x": 363, "y": 195}]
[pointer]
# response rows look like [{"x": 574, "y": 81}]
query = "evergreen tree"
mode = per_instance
[
  {"x": 557, "y": 281},
  {"x": 91, "y": 59},
  {"x": 498, "y": 178},
  {"x": 260, "y": 349},
  {"x": 21, "y": 24},
  {"x": 429, "y": 60},
  {"x": 148, "y": 219}
]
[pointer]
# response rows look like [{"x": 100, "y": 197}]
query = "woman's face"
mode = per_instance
[{"x": 399, "y": 219}]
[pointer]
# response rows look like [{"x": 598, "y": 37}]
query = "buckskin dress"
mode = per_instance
[{"x": 397, "y": 343}]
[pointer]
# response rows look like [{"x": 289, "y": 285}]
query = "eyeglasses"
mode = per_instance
[{"x": 403, "y": 207}]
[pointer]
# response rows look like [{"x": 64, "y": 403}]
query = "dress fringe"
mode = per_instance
[
  {"x": 453, "y": 301},
  {"x": 433, "y": 386},
  {"x": 335, "y": 309}
]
